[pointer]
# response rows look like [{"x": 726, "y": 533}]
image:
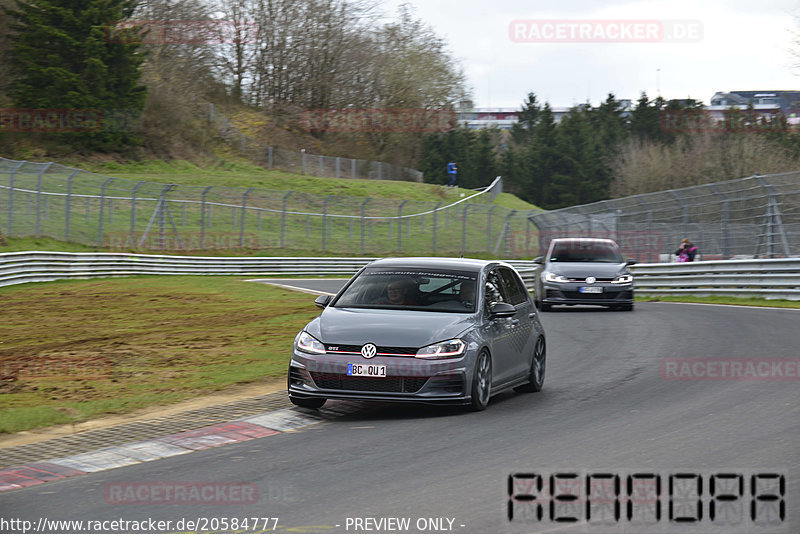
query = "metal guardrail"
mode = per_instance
[
  {"x": 766, "y": 278},
  {"x": 774, "y": 279}
]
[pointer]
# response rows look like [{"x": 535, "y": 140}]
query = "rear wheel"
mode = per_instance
[
  {"x": 481, "y": 382},
  {"x": 538, "y": 364},
  {"x": 545, "y": 307},
  {"x": 310, "y": 402}
]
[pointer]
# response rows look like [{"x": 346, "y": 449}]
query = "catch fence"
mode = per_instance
[
  {"x": 117, "y": 214},
  {"x": 752, "y": 217}
]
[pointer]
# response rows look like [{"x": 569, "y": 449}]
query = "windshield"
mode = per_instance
[
  {"x": 425, "y": 290},
  {"x": 585, "y": 251}
]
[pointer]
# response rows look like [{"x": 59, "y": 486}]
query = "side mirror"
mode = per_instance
[
  {"x": 502, "y": 309},
  {"x": 539, "y": 260},
  {"x": 631, "y": 261},
  {"x": 322, "y": 301}
]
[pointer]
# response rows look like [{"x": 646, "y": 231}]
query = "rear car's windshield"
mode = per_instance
[
  {"x": 585, "y": 251},
  {"x": 417, "y": 289}
]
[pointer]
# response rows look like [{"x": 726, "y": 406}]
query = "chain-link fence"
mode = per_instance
[
  {"x": 753, "y": 217},
  {"x": 305, "y": 163},
  {"x": 47, "y": 199}
]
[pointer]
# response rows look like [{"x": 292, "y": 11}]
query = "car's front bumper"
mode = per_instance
[
  {"x": 406, "y": 380},
  {"x": 570, "y": 293}
]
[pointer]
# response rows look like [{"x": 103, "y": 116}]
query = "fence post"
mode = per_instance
[
  {"x": 283, "y": 221},
  {"x": 69, "y": 204},
  {"x": 203, "y": 216},
  {"x": 244, "y": 149},
  {"x": 321, "y": 171},
  {"x": 400, "y": 225},
  {"x": 11, "y": 198},
  {"x": 435, "y": 213},
  {"x": 133, "y": 212},
  {"x": 303, "y": 160},
  {"x": 489, "y": 230},
  {"x": 353, "y": 168},
  {"x": 39, "y": 198},
  {"x": 102, "y": 204},
  {"x": 464, "y": 230},
  {"x": 325, "y": 221},
  {"x": 337, "y": 166},
  {"x": 241, "y": 224},
  {"x": 363, "y": 214}
]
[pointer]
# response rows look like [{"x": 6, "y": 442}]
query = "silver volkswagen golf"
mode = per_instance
[{"x": 430, "y": 330}]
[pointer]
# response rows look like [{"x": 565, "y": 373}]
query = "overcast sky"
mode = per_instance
[{"x": 731, "y": 45}]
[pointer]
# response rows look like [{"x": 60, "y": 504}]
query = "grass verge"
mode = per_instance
[
  {"x": 75, "y": 350},
  {"x": 732, "y": 301}
]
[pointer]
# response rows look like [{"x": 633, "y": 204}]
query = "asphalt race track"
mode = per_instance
[{"x": 609, "y": 406}]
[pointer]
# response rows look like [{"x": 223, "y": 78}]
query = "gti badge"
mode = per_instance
[
  {"x": 591, "y": 280},
  {"x": 369, "y": 350}
]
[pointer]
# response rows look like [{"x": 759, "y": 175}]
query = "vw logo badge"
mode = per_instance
[
  {"x": 591, "y": 280},
  {"x": 369, "y": 350}
]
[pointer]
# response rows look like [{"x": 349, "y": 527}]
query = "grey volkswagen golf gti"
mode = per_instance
[
  {"x": 584, "y": 271},
  {"x": 429, "y": 330}
]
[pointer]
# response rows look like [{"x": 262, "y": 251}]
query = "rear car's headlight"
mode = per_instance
[
  {"x": 554, "y": 277},
  {"x": 446, "y": 349},
  {"x": 623, "y": 279},
  {"x": 308, "y": 343}
]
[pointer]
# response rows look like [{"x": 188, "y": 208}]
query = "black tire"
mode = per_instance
[
  {"x": 545, "y": 307},
  {"x": 313, "y": 403},
  {"x": 627, "y": 307},
  {"x": 481, "y": 382},
  {"x": 538, "y": 366}
]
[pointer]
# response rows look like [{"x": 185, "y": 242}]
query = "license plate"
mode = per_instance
[
  {"x": 593, "y": 289},
  {"x": 360, "y": 369}
]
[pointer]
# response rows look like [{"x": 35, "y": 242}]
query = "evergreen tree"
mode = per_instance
[
  {"x": 522, "y": 131},
  {"x": 64, "y": 56}
]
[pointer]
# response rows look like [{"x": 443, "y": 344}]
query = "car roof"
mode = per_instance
[
  {"x": 456, "y": 264},
  {"x": 584, "y": 240}
]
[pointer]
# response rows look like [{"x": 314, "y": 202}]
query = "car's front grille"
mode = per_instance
[
  {"x": 393, "y": 384},
  {"x": 585, "y": 296},
  {"x": 356, "y": 349}
]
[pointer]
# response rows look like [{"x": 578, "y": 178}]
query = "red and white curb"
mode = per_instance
[{"x": 253, "y": 427}]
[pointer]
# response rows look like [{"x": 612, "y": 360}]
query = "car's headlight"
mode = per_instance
[
  {"x": 308, "y": 343},
  {"x": 446, "y": 349},
  {"x": 554, "y": 277},
  {"x": 623, "y": 279}
]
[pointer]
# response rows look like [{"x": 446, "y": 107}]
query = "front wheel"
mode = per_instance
[
  {"x": 313, "y": 403},
  {"x": 538, "y": 364},
  {"x": 481, "y": 382}
]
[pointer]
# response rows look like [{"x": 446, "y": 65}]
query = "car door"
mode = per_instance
[
  {"x": 522, "y": 340},
  {"x": 500, "y": 330}
]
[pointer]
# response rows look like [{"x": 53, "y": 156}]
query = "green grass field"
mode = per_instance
[{"x": 75, "y": 350}]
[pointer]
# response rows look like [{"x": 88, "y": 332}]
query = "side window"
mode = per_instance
[
  {"x": 495, "y": 292},
  {"x": 517, "y": 294}
]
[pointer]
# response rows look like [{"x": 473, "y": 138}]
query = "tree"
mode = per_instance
[
  {"x": 62, "y": 58},
  {"x": 522, "y": 131}
]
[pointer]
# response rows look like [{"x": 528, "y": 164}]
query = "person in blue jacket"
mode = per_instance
[{"x": 452, "y": 170}]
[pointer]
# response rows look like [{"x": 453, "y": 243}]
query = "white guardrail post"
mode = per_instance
[{"x": 767, "y": 278}]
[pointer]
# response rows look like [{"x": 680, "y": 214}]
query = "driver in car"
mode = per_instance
[{"x": 398, "y": 293}]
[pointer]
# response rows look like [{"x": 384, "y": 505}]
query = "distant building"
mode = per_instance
[
  {"x": 786, "y": 103},
  {"x": 504, "y": 118}
]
